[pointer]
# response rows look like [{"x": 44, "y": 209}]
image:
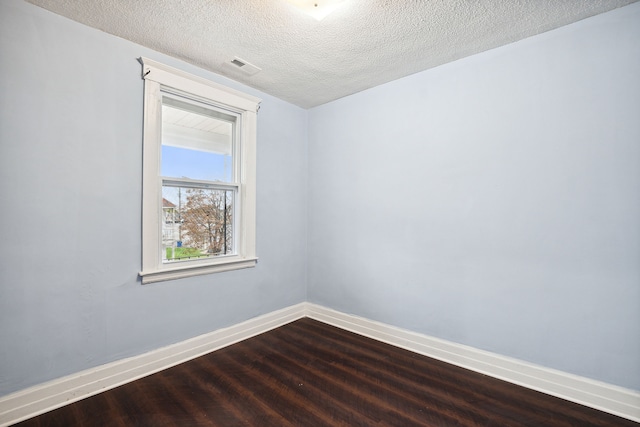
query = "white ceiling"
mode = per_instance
[{"x": 362, "y": 44}]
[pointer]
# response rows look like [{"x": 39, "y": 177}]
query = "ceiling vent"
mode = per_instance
[{"x": 244, "y": 66}]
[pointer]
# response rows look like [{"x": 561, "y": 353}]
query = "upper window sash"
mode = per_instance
[{"x": 184, "y": 137}]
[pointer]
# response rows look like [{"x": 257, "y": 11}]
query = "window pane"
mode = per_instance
[
  {"x": 196, "y": 223},
  {"x": 197, "y": 142}
]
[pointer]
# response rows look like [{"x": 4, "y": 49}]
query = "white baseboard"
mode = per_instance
[
  {"x": 56, "y": 393},
  {"x": 595, "y": 394},
  {"x": 45, "y": 397}
]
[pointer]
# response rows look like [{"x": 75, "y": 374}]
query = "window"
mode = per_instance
[{"x": 199, "y": 167}]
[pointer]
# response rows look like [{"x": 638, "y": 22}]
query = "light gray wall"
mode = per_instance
[
  {"x": 70, "y": 186},
  {"x": 493, "y": 201}
]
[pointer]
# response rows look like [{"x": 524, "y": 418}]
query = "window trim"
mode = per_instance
[{"x": 157, "y": 78}]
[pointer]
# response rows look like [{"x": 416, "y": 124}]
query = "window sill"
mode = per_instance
[{"x": 178, "y": 272}]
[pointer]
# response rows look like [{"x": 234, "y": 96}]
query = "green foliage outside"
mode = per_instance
[{"x": 183, "y": 253}]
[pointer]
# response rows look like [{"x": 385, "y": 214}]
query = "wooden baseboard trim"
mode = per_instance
[
  {"x": 595, "y": 394},
  {"x": 53, "y": 394},
  {"x": 45, "y": 397}
]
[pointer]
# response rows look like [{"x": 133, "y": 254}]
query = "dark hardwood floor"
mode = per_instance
[{"x": 310, "y": 374}]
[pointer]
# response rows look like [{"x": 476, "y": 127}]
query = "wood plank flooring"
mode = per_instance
[{"x": 308, "y": 373}]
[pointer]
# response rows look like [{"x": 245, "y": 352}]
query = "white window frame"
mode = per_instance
[{"x": 160, "y": 78}]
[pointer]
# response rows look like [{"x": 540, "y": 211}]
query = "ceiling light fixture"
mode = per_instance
[{"x": 316, "y": 8}]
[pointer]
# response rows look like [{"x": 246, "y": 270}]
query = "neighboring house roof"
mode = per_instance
[{"x": 167, "y": 204}]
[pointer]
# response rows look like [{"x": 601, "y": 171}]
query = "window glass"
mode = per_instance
[
  {"x": 197, "y": 142},
  {"x": 196, "y": 222}
]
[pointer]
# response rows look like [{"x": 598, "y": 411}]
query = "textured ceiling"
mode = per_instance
[{"x": 362, "y": 44}]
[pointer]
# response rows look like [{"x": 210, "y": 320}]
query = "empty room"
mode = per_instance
[{"x": 309, "y": 213}]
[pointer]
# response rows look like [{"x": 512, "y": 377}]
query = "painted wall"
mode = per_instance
[
  {"x": 70, "y": 167},
  {"x": 493, "y": 201}
]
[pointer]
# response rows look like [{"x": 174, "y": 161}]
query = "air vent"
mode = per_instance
[{"x": 244, "y": 66}]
